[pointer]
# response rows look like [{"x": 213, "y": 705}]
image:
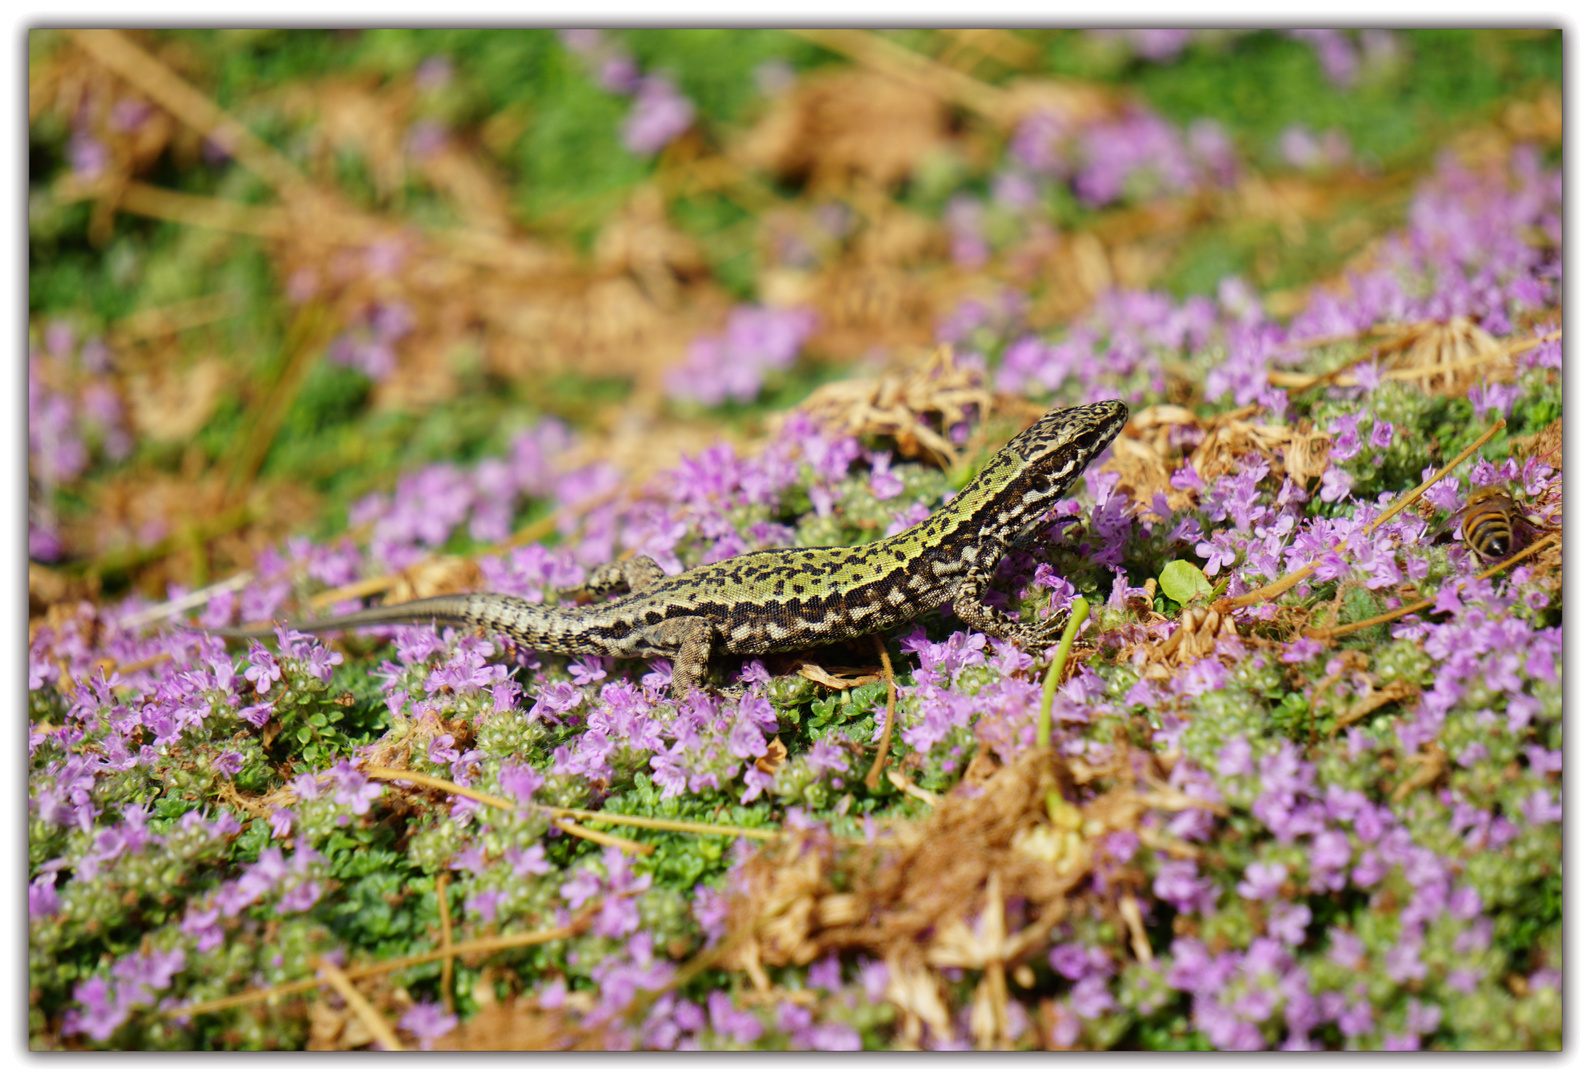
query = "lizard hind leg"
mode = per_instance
[
  {"x": 634, "y": 575},
  {"x": 688, "y": 641}
]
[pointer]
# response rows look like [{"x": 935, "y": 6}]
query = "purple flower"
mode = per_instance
[
  {"x": 825, "y": 757},
  {"x": 434, "y": 73},
  {"x": 1335, "y": 484},
  {"x": 1424, "y": 1018},
  {"x": 485, "y": 904},
  {"x": 1262, "y": 880},
  {"x": 1160, "y": 46},
  {"x": 1485, "y": 397},
  {"x": 519, "y": 782},
  {"x": 1303, "y": 650},
  {"x": 727, "y": 1021},
  {"x": 1287, "y": 923},
  {"x": 1543, "y": 761},
  {"x": 1402, "y": 962},
  {"x": 1014, "y": 191},
  {"x": 757, "y": 782},
  {"x": 582, "y": 42},
  {"x": 1074, "y": 961},
  {"x": 1141, "y": 147},
  {"x": 756, "y": 340},
  {"x": 351, "y": 788},
  {"x": 1545, "y": 979},
  {"x": 964, "y": 222},
  {"x": 825, "y": 974},
  {"x": 1066, "y": 1029},
  {"x": 588, "y": 669},
  {"x": 42, "y": 898},
  {"x": 1302, "y": 149},
  {"x": 580, "y": 888},
  {"x": 263, "y": 668},
  {"x": 1179, "y": 884},
  {"x": 533, "y": 860},
  {"x": 440, "y": 750},
  {"x": 100, "y": 1015},
  {"x": 660, "y": 115},
  {"x": 1090, "y": 999},
  {"x": 1235, "y": 759},
  {"x": 257, "y": 714},
  {"x": 1336, "y": 54},
  {"x": 830, "y": 1037},
  {"x": 1211, "y": 147},
  {"x": 300, "y": 897},
  {"x": 618, "y": 917},
  {"x": 914, "y": 514},
  {"x": 129, "y": 114},
  {"x": 618, "y": 74},
  {"x": 87, "y": 155},
  {"x": 427, "y": 1022},
  {"x": 282, "y": 822},
  {"x": 1539, "y": 808},
  {"x": 1217, "y": 551},
  {"x": 1328, "y": 857},
  {"x": 1346, "y": 949},
  {"x": 745, "y": 738},
  {"x": 883, "y": 483}
]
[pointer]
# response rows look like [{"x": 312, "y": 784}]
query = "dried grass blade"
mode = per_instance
[{"x": 335, "y": 977}]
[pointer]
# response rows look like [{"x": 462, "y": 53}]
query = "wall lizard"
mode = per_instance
[{"x": 781, "y": 601}]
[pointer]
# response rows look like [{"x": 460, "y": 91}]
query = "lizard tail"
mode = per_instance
[{"x": 454, "y": 610}]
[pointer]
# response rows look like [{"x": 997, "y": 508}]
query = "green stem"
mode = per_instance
[{"x": 1052, "y": 678}]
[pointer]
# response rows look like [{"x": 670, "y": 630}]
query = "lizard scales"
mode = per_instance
[{"x": 780, "y": 601}]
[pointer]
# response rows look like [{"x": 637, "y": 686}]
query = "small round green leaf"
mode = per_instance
[{"x": 1182, "y": 581}]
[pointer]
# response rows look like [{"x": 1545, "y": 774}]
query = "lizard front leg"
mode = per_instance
[
  {"x": 969, "y": 606},
  {"x": 688, "y": 641}
]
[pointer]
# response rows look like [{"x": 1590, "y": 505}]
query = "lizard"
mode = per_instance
[{"x": 797, "y": 598}]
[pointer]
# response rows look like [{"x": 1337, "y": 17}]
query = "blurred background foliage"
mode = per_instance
[{"x": 272, "y": 270}]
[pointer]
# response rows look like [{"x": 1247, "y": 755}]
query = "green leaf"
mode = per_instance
[{"x": 1182, "y": 581}]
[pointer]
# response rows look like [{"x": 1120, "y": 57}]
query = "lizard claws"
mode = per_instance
[{"x": 1043, "y": 635}]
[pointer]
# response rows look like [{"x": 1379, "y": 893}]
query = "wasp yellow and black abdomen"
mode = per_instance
[{"x": 1489, "y": 522}]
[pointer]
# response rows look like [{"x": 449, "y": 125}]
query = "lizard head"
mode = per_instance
[
  {"x": 1015, "y": 493},
  {"x": 1060, "y": 445}
]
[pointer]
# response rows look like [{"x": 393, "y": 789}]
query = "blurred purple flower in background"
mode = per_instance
[
  {"x": 434, "y": 73},
  {"x": 1338, "y": 58},
  {"x": 756, "y": 340},
  {"x": 87, "y": 155},
  {"x": 1160, "y": 46},
  {"x": 964, "y": 221},
  {"x": 1302, "y": 149},
  {"x": 1135, "y": 155},
  {"x": 660, "y": 115}
]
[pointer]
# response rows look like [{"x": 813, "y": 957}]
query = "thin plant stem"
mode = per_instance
[
  {"x": 339, "y": 981},
  {"x": 661, "y": 824},
  {"x": 1052, "y": 678},
  {"x": 1266, "y": 593},
  {"x": 1421, "y": 605},
  {"x": 889, "y": 715},
  {"x": 488, "y": 944}
]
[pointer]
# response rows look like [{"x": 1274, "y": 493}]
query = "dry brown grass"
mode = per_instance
[{"x": 976, "y": 886}]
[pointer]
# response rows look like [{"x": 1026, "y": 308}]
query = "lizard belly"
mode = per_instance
[{"x": 821, "y": 617}]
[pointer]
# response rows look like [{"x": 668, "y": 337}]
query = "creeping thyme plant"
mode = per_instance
[{"x": 1273, "y": 833}]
